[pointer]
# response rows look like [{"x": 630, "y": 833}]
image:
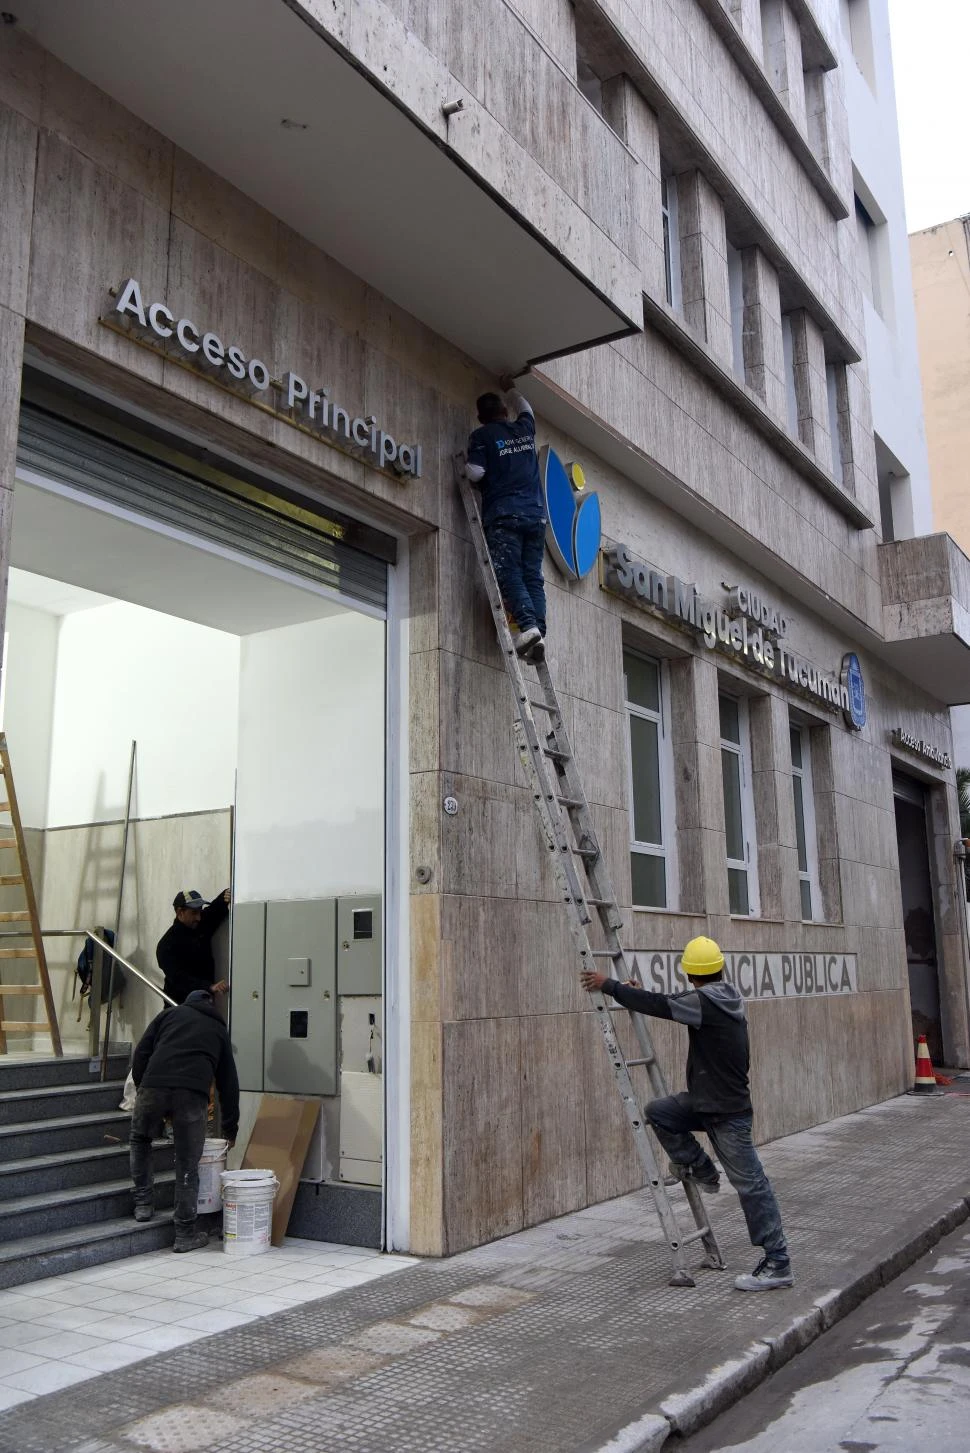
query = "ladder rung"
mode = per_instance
[
  {"x": 12, "y": 989},
  {"x": 697, "y": 1235},
  {"x": 543, "y": 705},
  {"x": 4, "y": 806},
  {"x": 632, "y": 1064},
  {"x": 17, "y": 953},
  {"x": 607, "y": 953},
  {"x": 29, "y": 1026},
  {"x": 570, "y": 801},
  {"x": 9, "y": 880},
  {"x": 586, "y": 852},
  {"x": 600, "y": 903},
  {"x": 556, "y": 754},
  {"x": 19, "y": 917},
  {"x": 8, "y": 842}
]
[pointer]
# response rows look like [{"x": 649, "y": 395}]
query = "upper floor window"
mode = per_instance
[
  {"x": 742, "y": 856},
  {"x": 671, "y": 234},
  {"x": 834, "y": 383},
  {"x": 788, "y": 352},
  {"x": 736, "y": 294},
  {"x": 871, "y": 237},
  {"x": 857, "y": 29},
  {"x": 652, "y": 866},
  {"x": 806, "y": 838}
]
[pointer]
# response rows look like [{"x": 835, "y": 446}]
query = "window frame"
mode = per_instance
[
  {"x": 805, "y": 773},
  {"x": 742, "y": 750},
  {"x": 667, "y": 847},
  {"x": 670, "y": 220}
]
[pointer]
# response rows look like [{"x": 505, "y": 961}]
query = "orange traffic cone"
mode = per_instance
[{"x": 925, "y": 1082}]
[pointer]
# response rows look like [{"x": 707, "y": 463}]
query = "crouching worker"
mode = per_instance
[
  {"x": 718, "y": 1100},
  {"x": 502, "y": 463},
  {"x": 181, "y": 1052}
]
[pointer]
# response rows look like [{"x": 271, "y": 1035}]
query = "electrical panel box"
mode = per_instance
[
  {"x": 361, "y": 1127},
  {"x": 248, "y": 960},
  {"x": 359, "y": 946},
  {"x": 300, "y": 1013}
]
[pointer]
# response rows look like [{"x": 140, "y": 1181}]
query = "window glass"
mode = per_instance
[
  {"x": 650, "y": 784},
  {"x": 671, "y": 237},
  {"x": 649, "y": 880},
  {"x": 730, "y": 718},
  {"x": 645, "y": 762},
  {"x": 805, "y": 835},
  {"x": 733, "y": 820},
  {"x": 740, "y": 849},
  {"x": 642, "y": 681},
  {"x": 738, "y": 899}
]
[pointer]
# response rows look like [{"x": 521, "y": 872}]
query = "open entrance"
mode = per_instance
[
  {"x": 243, "y": 651},
  {"x": 919, "y": 924}
]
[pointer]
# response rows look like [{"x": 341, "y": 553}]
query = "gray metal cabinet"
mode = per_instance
[{"x": 300, "y": 1013}]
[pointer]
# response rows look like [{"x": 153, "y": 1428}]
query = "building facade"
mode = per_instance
[
  {"x": 258, "y": 260},
  {"x": 941, "y": 287}
]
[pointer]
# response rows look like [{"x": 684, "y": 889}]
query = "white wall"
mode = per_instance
[
  {"x": 29, "y": 667},
  {"x": 310, "y": 806},
  {"x": 123, "y": 673}
]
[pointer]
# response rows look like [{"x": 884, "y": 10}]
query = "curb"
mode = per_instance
[{"x": 684, "y": 1413}]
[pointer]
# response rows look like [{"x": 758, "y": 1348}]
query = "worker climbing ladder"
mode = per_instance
[
  {"x": 12, "y": 841},
  {"x": 584, "y": 882}
]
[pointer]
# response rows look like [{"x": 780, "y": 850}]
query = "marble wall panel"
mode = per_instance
[{"x": 553, "y": 1119}]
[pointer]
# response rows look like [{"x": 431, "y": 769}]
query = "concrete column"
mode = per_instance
[
  {"x": 746, "y": 15},
  {"x": 632, "y": 119},
  {"x": 764, "y": 355},
  {"x": 817, "y": 115},
  {"x": 808, "y": 350},
  {"x": 701, "y": 842},
  {"x": 703, "y": 264},
  {"x": 774, "y": 809},
  {"x": 782, "y": 50}
]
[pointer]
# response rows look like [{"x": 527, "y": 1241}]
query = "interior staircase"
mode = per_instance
[{"x": 65, "y": 1191}]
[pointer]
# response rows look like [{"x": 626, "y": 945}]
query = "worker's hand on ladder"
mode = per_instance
[{"x": 591, "y": 981}]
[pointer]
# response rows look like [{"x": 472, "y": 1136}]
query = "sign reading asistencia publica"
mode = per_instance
[
  {"x": 737, "y": 630},
  {"x": 757, "y": 975},
  {"x": 311, "y": 409}
]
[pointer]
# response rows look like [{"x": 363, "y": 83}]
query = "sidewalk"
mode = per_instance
[{"x": 563, "y": 1339}]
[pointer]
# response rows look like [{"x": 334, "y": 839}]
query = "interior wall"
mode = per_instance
[
  {"x": 310, "y": 805},
  {"x": 29, "y": 669},
  {"x": 124, "y": 673}
]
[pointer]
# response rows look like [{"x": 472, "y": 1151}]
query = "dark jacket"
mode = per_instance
[
  {"x": 506, "y": 450},
  {"x": 186, "y": 1049},
  {"x": 718, "y": 1058},
  {"x": 185, "y": 954}
]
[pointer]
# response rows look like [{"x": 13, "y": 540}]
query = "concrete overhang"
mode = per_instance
[
  {"x": 277, "y": 97},
  {"x": 926, "y": 614}
]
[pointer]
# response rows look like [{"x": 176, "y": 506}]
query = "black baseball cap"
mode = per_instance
[{"x": 188, "y": 898}]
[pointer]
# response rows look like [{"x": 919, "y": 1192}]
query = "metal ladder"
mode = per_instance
[
  {"x": 28, "y": 915},
  {"x": 584, "y": 882}
]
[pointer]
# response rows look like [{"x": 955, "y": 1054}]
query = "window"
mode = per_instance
[
  {"x": 833, "y": 371},
  {"x": 742, "y": 867},
  {"x": 871, "y": 238},
  {"x": 857, "y": 29},
  {"x": 788, "y": 349},
  {"x": 736, "y": 293},
  {"x": 805, "y": 835},
  {"x": 671, "y": 231},
  {"x": 650, "y": 784}
]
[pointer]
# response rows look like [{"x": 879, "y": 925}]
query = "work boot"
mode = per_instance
[
  {"x": 768, "y": 1276},
  {"x": 526, "y": 640},
  {"x": 144, "y": 1213},
  {"x": 536, "y": 652},
  {"x": 190, "y": 1240},
  {"x": 710, "y": 1184}
]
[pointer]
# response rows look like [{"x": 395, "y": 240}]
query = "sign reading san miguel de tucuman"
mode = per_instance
[
  {"x": 310, "y": 409},
  {"x": 758, "y": 975},
  {"x": 747, "y": 627}
]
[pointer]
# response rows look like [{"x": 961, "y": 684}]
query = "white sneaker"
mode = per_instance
[
  {"x": 768, "y": 1276},
  {"x": 526, "y": 639}
]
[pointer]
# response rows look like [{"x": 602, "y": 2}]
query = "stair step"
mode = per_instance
[
  {"x": 41, "y": 1174},
  {"x": 34, "y": 1258},
  {"x": 75, "y": 1132},
  {"x": 57, "y": 1102},
  {"x": 71, "y": 1069},
  {"x": 83, "y": 1206}
]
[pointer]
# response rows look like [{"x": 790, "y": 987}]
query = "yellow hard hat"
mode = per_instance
[{"x": 702, "y": 956}]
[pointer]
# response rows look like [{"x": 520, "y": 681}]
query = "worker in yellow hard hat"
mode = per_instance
[{"x": 717, "y": 1101}]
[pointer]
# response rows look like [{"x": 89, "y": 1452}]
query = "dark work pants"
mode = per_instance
[
  {"x": 516, "y": 549},
  {"x": 189, "y": 1112},
  {"x": 674, "y": 1118}
]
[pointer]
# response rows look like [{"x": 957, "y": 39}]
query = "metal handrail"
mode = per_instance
[{"x": 129, "y": 966}]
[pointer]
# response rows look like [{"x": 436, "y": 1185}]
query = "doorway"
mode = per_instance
[{"x": 919, "y": 921}]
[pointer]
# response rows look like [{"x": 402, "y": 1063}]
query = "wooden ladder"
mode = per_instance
[{"x": 28, "y": 915}]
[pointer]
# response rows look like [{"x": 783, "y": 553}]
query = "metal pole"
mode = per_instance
[{"x": 121, "y": 890}]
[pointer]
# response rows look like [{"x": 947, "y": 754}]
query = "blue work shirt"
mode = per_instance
[{"x": 506, "y": 451}]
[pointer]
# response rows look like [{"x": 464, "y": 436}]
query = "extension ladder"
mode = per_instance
[
  {"x": 584, "y": 882},
  {"x": 28, "y": 915}
]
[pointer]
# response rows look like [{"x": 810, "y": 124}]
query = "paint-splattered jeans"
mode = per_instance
[
  {"x": 516, "y": 548},
  {"x": 673, "y": 1119},
  {"x": 189, "y": 1111}
]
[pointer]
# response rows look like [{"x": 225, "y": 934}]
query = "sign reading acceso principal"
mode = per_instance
[
  {"x": 310, "y": 409},
  {"x": 756, "y": 975},
  {"x": 747, "y": 627}
]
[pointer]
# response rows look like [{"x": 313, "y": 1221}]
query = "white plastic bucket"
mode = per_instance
[
  {"x": 211, "y": 1166},
  {"x": 247, "y": 1207}
]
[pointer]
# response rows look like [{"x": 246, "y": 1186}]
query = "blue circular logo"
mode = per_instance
[
  {"x": 573, "y": 513},
  {"x": 853, "y": 692}
]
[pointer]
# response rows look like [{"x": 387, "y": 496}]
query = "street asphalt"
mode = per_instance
[{"x": 562, "y": 1339}]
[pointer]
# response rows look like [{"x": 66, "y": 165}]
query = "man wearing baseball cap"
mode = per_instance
[
  {"x": 184, "y": 951},
  {"x": 718, "y": 1100}
]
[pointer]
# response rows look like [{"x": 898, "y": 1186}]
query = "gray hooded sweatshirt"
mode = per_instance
[{"x": 718, "y": 1058}]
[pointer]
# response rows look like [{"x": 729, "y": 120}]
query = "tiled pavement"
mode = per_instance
[{"x": 551, "y": 1340}]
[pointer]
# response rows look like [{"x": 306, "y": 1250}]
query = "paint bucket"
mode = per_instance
[
  {"x": 247, "y": 1211},
  {"x": 211, "y": 1166}
]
